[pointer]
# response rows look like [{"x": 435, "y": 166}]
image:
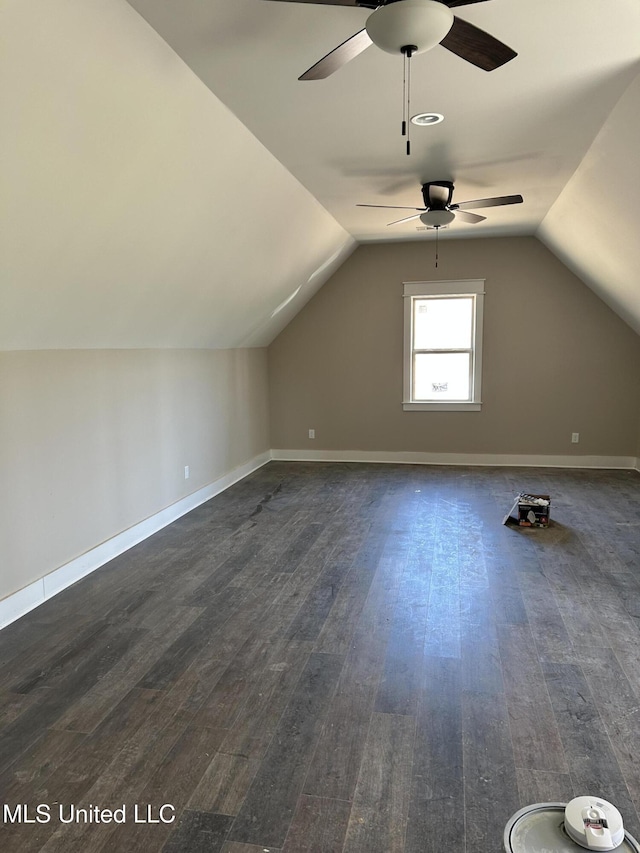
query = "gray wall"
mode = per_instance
[
  {"x": 557, "y": 360},
  {"x": 94, "y": 441}
]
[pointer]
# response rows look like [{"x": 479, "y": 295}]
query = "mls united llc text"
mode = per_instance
[{"x": 69, "y": 813}]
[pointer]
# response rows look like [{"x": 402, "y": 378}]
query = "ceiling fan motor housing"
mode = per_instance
[
  {"x": 421, "y": 24},
  {"x": 437, "y": 195}
]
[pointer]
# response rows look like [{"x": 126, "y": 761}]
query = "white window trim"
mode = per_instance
[{"x": 463, "y": 287}]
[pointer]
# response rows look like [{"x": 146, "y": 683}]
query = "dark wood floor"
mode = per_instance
[{"x": 336, "y": 658}]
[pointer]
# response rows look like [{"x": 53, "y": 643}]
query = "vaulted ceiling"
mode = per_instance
[{"x": 167, "y": 180}]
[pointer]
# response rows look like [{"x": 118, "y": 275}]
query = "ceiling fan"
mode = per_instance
[
  {"x": 410, "y": 27},
  {"x": 439, "y": 210}
]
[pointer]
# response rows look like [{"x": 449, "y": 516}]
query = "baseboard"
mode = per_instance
[
  {"x": 423, "y": 458},
  {"x": 21, "y": 602}
]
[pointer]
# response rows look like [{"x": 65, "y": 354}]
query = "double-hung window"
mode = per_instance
[{"x": 443, "y": 345}]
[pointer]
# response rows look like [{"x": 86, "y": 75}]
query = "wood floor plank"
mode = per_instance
[
  {"x": 227, "y": 779},
  {"x": 198, "y": 832},
  {"x": 540, "y": 786},
  {"x": 127, "y": 774},
  {"x": 269, "y": 695},
  {"x": 172, "y": 783},
  {"x": 35, "y": 765},
  {"x": 590, "y": 756},
  {"x": 208, "y": 592},
  {"x": 270, "y": 803},
  {"x": 88, "y": 711},
  {"x": 401, "y": 678},
  {"x": 180, "y": 654},
  {"x": 580, "y": 618},
  {"x": 61, "y": 659},
  {"x": 285, "y": 605},
  {"x": 545, "y": 620},
  {"x": 534, "y": 731},
  {"x": 480, "y": 651},
  {"x": 336, "y": 633},
  {"x": 381, "y": 801},
  {"x": 629, "y": 660},
  {"x": 29, "y": 726},
  {"x": 253, "y": 668},
  {"x": 311, "y": 617},
  {"x": 508, "y": 605},
  {"x": 292, "y": 556},
  {"x": 334, "y": 770},
  {"x": 318, "y": 826},
  {"x": 619, "y": 710},
  {"x": 490, "y": 774},
  {"x": 275, "y": 535},
  {"x": 437, "y": 787},
  {"x": 14, "y": 704},
  {"x": 82, "y": 767},
  {"x": 444, "y": 613}
]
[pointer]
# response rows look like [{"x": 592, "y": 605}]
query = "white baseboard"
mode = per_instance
[
  {"x": 422, "y": 458},
  {"x": 18, "y": 603}
]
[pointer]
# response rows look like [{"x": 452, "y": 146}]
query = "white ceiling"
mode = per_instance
[
  {"x": 141, "y": 208},
  {"x": 523, "y": 128},
  {"x": 593, "y": 226}
]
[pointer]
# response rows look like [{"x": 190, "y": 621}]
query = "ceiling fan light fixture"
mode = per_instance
[
  {"x": 437, "y": 218},
  {"x": 419, "y": 23}
]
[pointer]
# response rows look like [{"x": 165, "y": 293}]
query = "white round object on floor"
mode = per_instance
[
  {"x": 540, "y": 828},
  {"x": 594, "y": 823}
]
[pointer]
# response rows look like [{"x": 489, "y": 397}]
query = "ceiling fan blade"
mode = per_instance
[
  {"x": 489, "y": 202},
  {"x": 393, "y": 207},
  {"x": 338, "y": 57},
  {"x": 468, "y": 217},
  {"x": 477, "y": 47},
  {"x": 406, "y": 219},
  {"x": 453, "y": 3},
  {"x": 326, "y": 2}
]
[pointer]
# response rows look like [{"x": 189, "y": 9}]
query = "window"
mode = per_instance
[{"x": 443, "y": 345}]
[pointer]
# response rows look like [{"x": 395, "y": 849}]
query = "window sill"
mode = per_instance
[{"x": 448, "y": 406}]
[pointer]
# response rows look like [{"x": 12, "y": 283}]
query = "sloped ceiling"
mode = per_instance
[
  {"x": 136, "y": 210},
  {"x": 594, "y": 226},
  {"x": 167, "y": 181},
  {"x": 522, "y": 128}
]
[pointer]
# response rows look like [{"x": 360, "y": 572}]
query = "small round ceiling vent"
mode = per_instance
[{"x": 427, "y": 119}]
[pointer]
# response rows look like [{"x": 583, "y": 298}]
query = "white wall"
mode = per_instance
[{"x": 93, "y": 442}]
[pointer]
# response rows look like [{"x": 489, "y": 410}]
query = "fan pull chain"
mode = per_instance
[
  {"x": 404, "y": 94},
  {"x": 437, "y": 235},
  {"x": 407, "y": 52}
]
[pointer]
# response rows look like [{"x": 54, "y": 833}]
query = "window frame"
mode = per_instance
[{"x": 413, "y": 290}]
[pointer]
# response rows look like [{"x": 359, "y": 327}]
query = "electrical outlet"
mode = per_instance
[
  {"x": 312, "y": 433},
  {"x": 575, "y": 437},
  {"x": 186, "y": 472}
]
